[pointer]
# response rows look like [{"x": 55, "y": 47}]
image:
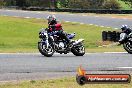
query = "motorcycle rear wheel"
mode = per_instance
[{"x": 78, "y": 50}]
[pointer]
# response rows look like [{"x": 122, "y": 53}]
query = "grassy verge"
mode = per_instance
[
  {"x": 21, "y": 35},
  {"x": 60, "y": 83}
]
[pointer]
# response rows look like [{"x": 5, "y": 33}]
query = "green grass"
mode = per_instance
[
  {"x": 21, "y": 35},
  {"x": 18, "y": 33},
  {"x": 60, "y": 83}
]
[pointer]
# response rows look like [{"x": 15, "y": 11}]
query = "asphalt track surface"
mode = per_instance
[
  {"x": 95, "y": 20},
  {"x": 31, "y": 66},
  {"x": 35, "y": 66}
]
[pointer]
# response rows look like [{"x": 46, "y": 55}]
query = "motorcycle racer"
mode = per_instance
[
  {"x": 125, "y": 31},
  {"x": 54, "y": 39},
  {"x": 54, "y": 26}
]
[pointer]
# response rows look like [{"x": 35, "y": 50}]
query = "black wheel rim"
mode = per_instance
[
  {"x": 129, "y": 45},
  {"x": 80, "y": 49},
  {"x": 48, "y": 50}
]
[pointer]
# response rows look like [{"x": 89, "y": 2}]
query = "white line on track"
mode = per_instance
[
  {"x": 68, "y": 53},
  {"x": 91, "y": 24},
  {"x": 96, "y": 16},
  {"x": 108, "y": 27},
  {"x": 84, "y": 15},
  {"x": 116, "y": 28},
  {"x": 5, "y": 15},
  {"x": 25, "y": 11},
  {"x": 74, "y": 22},
  {"x": 67, "y": 21},
  {"x": 8, "y": 10},
  {"x": 38, "y": 18},
  {"x": 27, "y": 17},
  {"x": 81, "y": 23},
  {"x": 113, "y": 17},
  {"x": 115, "y": 52},
  {"x": 16, "y": 16},
  {"x": 38, "y": 12},
  {"x": 125, "y": 18},
  {"x": 101, "y": 26},
  {"x": 8, "y": 81},
  {"x": 124, "y": 67},
  {"x": 71, "y": 14}
]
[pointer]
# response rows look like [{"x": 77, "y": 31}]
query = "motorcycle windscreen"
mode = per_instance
[{"x": 71, "y": 36}]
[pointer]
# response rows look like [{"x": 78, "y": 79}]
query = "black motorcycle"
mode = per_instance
[
  {"x": 126, "y": 41},
  {"x": 50, "y": 43}
]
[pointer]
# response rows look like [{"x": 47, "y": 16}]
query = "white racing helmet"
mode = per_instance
[{"x": 51, "y": 17}]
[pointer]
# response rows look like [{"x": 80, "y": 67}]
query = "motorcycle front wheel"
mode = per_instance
[
  {"x": 128, "y": 45},
  {"x": 78, "y": 50},
  {"x": 48, "y": 52}
]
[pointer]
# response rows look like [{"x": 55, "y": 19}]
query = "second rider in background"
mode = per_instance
[{"x": 125, "y": 32}]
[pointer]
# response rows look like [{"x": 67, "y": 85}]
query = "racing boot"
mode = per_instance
[{"x": 70, "y": 43}]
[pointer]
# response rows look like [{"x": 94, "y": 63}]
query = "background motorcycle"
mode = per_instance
[
  {"x": 50, "y": 43},
  {"x": 127, "y": 42}
]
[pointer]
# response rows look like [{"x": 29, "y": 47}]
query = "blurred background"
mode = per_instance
[{"x": 68, "y": 4}]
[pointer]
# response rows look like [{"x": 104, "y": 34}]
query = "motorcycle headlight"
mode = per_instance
[{"x": 42, "y": 35}]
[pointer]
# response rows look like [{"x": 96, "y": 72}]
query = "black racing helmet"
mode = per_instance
[{"x": 124, "y": 27}]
